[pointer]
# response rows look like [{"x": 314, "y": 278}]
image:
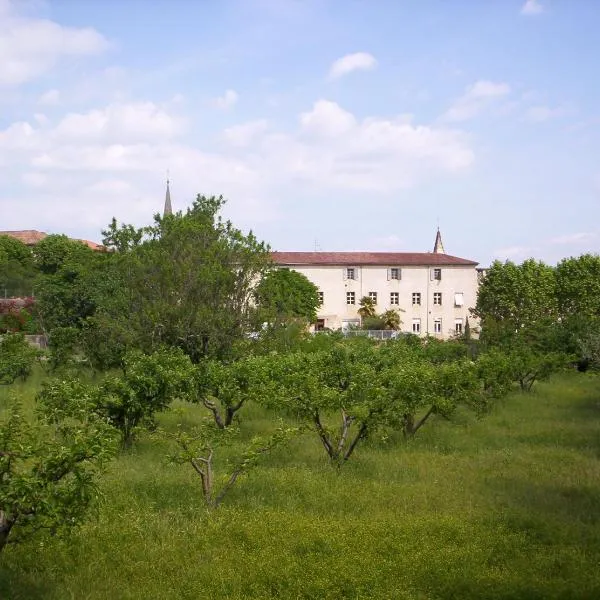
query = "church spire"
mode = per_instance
[
  {"x": 438, "y": 247},
  {"x": 168, "y": 208}
]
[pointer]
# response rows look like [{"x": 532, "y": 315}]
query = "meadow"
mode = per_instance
[{"x": 507, "y": 506}]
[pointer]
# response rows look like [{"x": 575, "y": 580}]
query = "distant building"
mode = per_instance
[
  {"x": 433, "y": 291},
  {"x": 31, "y": 237}
]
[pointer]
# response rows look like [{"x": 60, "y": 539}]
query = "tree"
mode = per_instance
[
  {"x": 417, "y": 389},
  {"x": 391, "y": 319},
  {"x": 189, "y": 284},
  {"x": 198, "y": 447},
  {"x": 224, "y": 388},
  {"x": 342, "y": 379},
  {"x": 517, "y": 295},
  {"x": 578, "y": 286},
  {"x": 17, "y": 271},
  {"x": 148, "y": 385},
  {"x": 65, "y": 287},
  {"x": 284, "y": 295},
  {"x": 49, "y": 468},
  {"x": 17, "y": 358}
]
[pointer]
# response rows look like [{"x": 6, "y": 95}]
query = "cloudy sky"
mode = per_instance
[{"x": 328, "y": 124}]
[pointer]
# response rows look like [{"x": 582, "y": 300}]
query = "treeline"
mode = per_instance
[
  {"x": 541, "y": 308},
  {"x": 191, "y": 309}
]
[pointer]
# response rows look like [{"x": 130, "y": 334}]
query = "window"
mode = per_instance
[
  {"x": 437, "y": 298},
  {"x": 436, "y": 274},
  {"x": 351, "y": 273},
  {"x": 416, "y": 298},
  {"x": 459, "y": 299},
  {"x": 373, "y": 296},
  {"x": 321, "y": 297},
  {"x": 350, "y": 298},
  {"x": 394, "y": 298},
  {"x": 437, "y": 326},
  {"x": 394, "y": 273},
  {"x": 458, "y": 325},
  {"x": 416, "y": 326}
]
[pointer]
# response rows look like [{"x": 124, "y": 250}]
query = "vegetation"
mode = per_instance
[
  {"x": 501, "y": 507},
  {"x": 200, "y": 356}
]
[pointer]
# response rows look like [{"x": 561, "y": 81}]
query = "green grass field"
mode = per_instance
[{"x": 503, "y": 507}]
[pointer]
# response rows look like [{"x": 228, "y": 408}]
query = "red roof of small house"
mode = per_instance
[
  {"x": 31, "y": 237},
  {"x": 388, "y": 259}
]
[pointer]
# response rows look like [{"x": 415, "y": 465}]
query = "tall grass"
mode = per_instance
[{"x": 503, "y": 507}]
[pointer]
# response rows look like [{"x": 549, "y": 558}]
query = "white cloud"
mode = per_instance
[
  {"x": 327, "y": 119},
  {"x": 116, "y": 158},
  {"x": 120, "y": 122},
  {"x": 539, "y": 114},
  {"x": 476, "y": 98},
  {"x": 359, "y": 61},
  {"x": 227, "y": 100},
  {"x": 532, "y": 7},
  {"x": 244, "y": 134},
  {"x": 31, "y": 47},
  {"x": 49, "y": 98}
]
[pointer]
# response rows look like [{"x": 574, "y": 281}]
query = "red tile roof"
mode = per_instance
[
  {"x": 31, "y": 237},
  {"x": 389, "y": 259}
]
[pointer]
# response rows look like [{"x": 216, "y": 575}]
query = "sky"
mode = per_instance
[{"x": 331, "y": 125}]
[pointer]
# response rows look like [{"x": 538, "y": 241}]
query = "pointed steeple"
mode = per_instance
[
  {"x": 438, "y": 247},
  {"x": 168, "y": 208}
]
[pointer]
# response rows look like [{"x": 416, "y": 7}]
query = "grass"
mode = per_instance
[{"x": 503, "y": 507}]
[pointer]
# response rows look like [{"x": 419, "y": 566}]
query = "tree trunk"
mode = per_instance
[
  {"x": 6, "y": 526},
  {"x": 408, "y": 425}
]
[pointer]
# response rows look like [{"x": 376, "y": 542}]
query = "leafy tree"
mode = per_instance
[
  {"x": 65, "y": 288},
  {"x": 148, "y": 385},
  {"x": 63, "y": 344},
  {"x": 342, "y": 379},
  {"x": 189, "y": 284},
  {"x": 198, "y": 449},
  {"x": 225, "y": 388},
  {"x": 17, "y": 271},
  {"x": 512, "y": 296},
  {"x": 284, "y": 295},
  {"x": 17, "y": 358},
  {"x": 417, "y": 389},
  {"x": 49, "y": 468},
  {"x": 578, "y": 286},
  {"x": 529, "y": 365}
]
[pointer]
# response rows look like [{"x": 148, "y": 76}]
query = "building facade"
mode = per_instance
[{"x": 432, "y": 291}]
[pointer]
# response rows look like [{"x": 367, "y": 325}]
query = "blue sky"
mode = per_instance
[{"x": 329, "y": 124}]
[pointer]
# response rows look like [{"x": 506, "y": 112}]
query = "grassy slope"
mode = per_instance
[{"x": 506, "y": 507}]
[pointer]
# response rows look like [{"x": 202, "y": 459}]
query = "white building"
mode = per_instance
[{"x": 432, "y": 291}]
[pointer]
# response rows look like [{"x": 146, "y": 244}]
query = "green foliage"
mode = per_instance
[
  {"x": 63, "y": 344},
  {"x": 391, "y": 319},
  {"x": 529, "y": 365},
  {"x": 65, "y": 289},
  {"x": 17, "y": 272},
  {"x": 148, "y": 385},
  {"x": 578, "y": 286},
  {"x": 512, "y": 296},
  {"x": 224, "y": 388},
  {"x": 48, "y": 469},
  {"x": 188, "y": 284},
  {"x": 343, "y": 379},
  {"x": 198, "y": 450},
  {"x": 367, "y": 307},
  {"x": 17, "y": 357},
  {"x": 284, "y": 295}
]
